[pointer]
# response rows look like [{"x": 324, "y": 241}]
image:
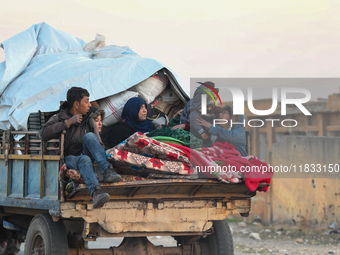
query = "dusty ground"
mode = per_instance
[
  {"x": 283, "y": 240},
  {"x": 274, "y": 240}
]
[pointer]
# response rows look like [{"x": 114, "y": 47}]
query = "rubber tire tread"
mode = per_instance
[
  {"x": 12, "y": 248},
  {"x": 53, "y": 233},
  {"x": 224, "y": 238},
  {"x": 213, "y": 247}
]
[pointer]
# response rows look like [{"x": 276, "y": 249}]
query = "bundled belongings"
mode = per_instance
[
  {"x": 150, "y": 88},
  {"x": 224, "y": 162},
  {"x": 159, "y": 119},
  {"x": 150, "y": 91},
  {"x": 96, "y": 44},
  {"x": 141, "y": 155},
  {"x": 37, "y": 76},
  {"x": 162, "y": 109},
  {"x": 168, "y": 103},
  {"x": 113, "y": 106},
  {"x": 188, "y": 139}
]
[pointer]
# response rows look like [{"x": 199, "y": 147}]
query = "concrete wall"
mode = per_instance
[{"x": 307, "y": 199}]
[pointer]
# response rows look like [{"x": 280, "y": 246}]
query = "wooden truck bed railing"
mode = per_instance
[{"x": 29, "y": 172}]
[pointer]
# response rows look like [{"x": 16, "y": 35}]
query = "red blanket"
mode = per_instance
[{"x": 224, "y": 162}]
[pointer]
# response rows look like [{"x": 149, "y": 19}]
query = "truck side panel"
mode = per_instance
[
  {"x": 29, "y": 181},
  {"x": 3, "y": 178}
]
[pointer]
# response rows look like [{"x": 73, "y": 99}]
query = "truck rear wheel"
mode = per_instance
[
  {"x": 9, "y": 247},
  {"x": 45, "y": 237},
  {"x": 220, "y": 242}
]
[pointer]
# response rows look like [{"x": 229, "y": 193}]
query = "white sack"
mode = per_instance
[
  {"x": 113, "y": 106},
  {"x": 150, "y": 88}
]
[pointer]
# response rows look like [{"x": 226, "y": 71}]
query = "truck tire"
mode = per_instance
[
  {"x": 9, "y": 247},
  {"x": 223, "y": 237},
  {"x": 44, "y": 236},
  {"x": 220, "y": 242}
]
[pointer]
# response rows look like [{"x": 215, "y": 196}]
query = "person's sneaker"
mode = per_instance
[
  {"x": 99, "y": 197},
  {"x": 110, "y": 175}
]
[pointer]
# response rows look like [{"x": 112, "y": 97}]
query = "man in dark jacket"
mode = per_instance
[
  {"x": 192, "y": 110},
  {"x": 82, "y": 142}
]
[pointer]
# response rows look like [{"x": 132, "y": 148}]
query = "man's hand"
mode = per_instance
[
  {"x": 178, "y": 113},
  {"x": 75, "y": 119},
  {"x": 182, "y": 126},
  {"x": 202, "y": 122},
  {"x": 204, "y": 136}
]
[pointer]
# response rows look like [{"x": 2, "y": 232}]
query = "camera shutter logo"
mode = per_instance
[{"x": 204, "y": 97}]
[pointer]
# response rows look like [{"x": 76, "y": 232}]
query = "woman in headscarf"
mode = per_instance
[{"x": 134, "y": 120}]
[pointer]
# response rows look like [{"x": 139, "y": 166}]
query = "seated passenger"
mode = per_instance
[
  {"x": 98, "y": 117},
  {"x": 82, "y": 143},
  {"x": 186, "y": 126},
  {"x": 192, "y": 111},
  {"x": 134, "y": 120},
  {"x": 234, "y": 135}
]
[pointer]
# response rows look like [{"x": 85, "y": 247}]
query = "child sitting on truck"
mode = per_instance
[
  {"x": 233, "y": 134},
  {"x": 98, "y": 117},
  {"x": 82, "y": 143}
]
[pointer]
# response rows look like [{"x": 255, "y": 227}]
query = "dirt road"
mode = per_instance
[
  {"x": 276, "y": 240},
  {"x": 281, "y": 240}
]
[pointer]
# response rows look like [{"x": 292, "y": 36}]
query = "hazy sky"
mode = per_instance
[{"x": 241, "y": 38}]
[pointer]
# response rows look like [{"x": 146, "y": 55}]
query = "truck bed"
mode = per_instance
[
  {"x": 33, "y": 181},
  {"x": 34, "y": 184},
  {"x": 158, "y": 207},
  {"x": 167, "y": 189}
]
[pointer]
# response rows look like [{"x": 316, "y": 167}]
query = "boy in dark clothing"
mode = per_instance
[{"x": 82, "y": 142}]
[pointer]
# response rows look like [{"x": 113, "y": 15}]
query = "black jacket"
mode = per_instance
[
  {"x": 113, "y": 135},
  {"x": 73, "y": 144}
]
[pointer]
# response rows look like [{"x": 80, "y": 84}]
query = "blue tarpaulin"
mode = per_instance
[{"x": 42, "y": 63}]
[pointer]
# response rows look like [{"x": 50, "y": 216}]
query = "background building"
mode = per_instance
[{"x": 308, "y": 199}]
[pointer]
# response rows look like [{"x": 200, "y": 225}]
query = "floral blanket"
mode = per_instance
[
  {"x": 144, "y": 156},
  {"x": 75, "y": 175},
  {"x": 141, "y": 155},
  {"x": 225, "y": 163}
]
